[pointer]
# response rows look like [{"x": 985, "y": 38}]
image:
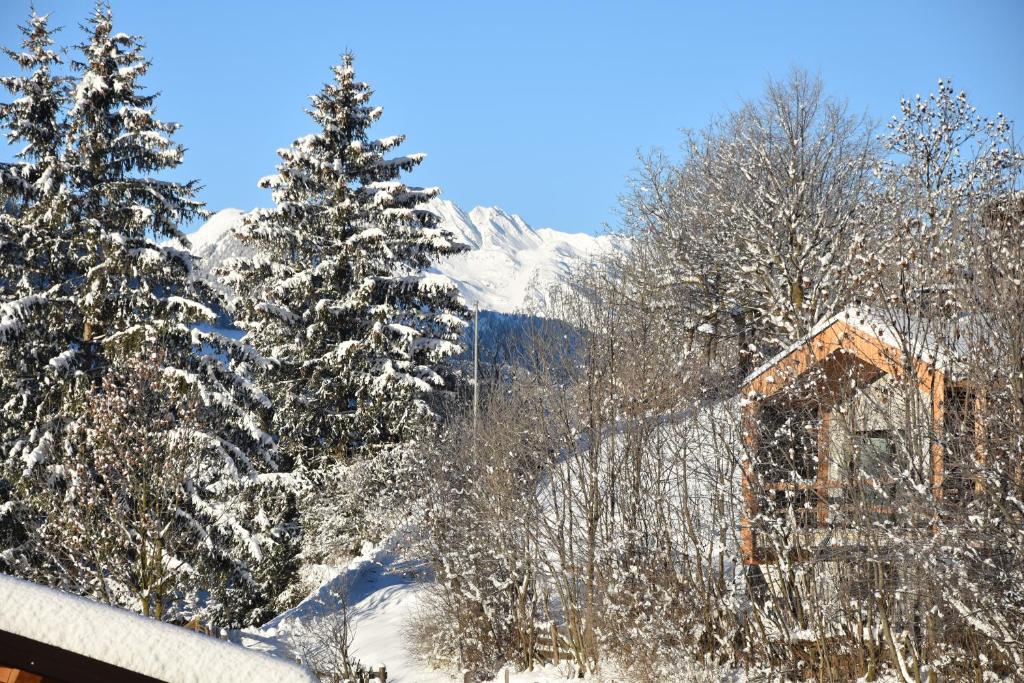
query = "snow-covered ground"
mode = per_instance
[{"x": 384, "y": 592}]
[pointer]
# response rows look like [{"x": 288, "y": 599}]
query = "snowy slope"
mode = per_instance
[
  {"x": 384, "y": 593},
  {"x": 510, "y": 266}
]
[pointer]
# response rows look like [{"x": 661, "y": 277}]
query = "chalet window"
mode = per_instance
[
  {"x": 789, "y": 439},
  {"x": 787, "y": 463},
  {"x": 871, "y": 466}
]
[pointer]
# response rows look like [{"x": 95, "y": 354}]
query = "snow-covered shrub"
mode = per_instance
[
  {"x": 578, "y": 499},
  {"x": 323, "y": 642},
  {"x": 673, "y": 584},
  {"x": 479, "y": 537}
]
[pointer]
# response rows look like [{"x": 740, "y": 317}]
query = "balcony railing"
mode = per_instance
[{"x": 840, "y": 504}]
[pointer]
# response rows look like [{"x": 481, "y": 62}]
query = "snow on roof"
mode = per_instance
[
  {"x": 133, "y": 642},
  {"x": 927, "y": 348}
]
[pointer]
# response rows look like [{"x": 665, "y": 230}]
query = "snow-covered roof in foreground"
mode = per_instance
[{"x": 130, "y": 641}]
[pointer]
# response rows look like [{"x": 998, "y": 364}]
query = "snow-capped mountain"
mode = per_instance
[
  {"x": 212, "y": 242},
  {"x": 510, "y": 266}
]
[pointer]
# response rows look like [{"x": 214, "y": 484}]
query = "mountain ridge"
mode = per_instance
[{"x": 510, "y": 266}]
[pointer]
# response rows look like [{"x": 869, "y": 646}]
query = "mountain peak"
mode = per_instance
[
  {"x": 503, "y": 230},
  {"x": 214, "y": 229},
  {"x": 457, "y": 221},
  {"x": 511, "y": 266}
]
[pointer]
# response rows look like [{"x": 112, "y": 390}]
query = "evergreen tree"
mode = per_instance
[
  {"x": 338, "y": 295},
  {"x": 33, "y": 267},
  {"x": 123, "y": 294},
  {"x": 137, "y": 447},
  {"x": 31, "y": 118}
]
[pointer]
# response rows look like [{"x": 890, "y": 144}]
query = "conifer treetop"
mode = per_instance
[
  {"x": 31, "y": 118},
  {"x": 115, "y": 142}
]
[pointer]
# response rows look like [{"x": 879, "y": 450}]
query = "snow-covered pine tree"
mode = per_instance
[
  {"x": 33, "y": 266},
  {"x": 338, "y": 294},
  {"x": 136, "y": 448},
  {"x": 115, "y": 145},
  {"x": 31, "y": 118},
  {"x": 126, "y": 295}
]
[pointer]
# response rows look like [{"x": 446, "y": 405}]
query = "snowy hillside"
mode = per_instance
[
  {"x": 385, "y": 594},
  {"x": 510, "y": 266}
]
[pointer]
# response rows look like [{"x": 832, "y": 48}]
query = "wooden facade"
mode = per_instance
[
  {"x": 841, "y": 357},
  {"x": 18, "y": 676}
]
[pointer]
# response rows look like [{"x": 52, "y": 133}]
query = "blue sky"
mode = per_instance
[{"x": 538, "y": 107}]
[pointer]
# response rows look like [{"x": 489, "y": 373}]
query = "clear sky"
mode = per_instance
[{"x": 537, "y": 107}]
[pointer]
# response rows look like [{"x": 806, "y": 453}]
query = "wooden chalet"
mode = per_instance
[{"x": 823, "y": 419}]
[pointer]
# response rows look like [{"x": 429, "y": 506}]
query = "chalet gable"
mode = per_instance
[
  {"x": 812, "y": 384},
  {"x": 853, "y": 344}
]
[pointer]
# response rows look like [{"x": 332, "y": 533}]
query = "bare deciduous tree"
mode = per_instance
[
  {"x": 757, "y": 229},
  {"x": 324, "y": 642}
]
